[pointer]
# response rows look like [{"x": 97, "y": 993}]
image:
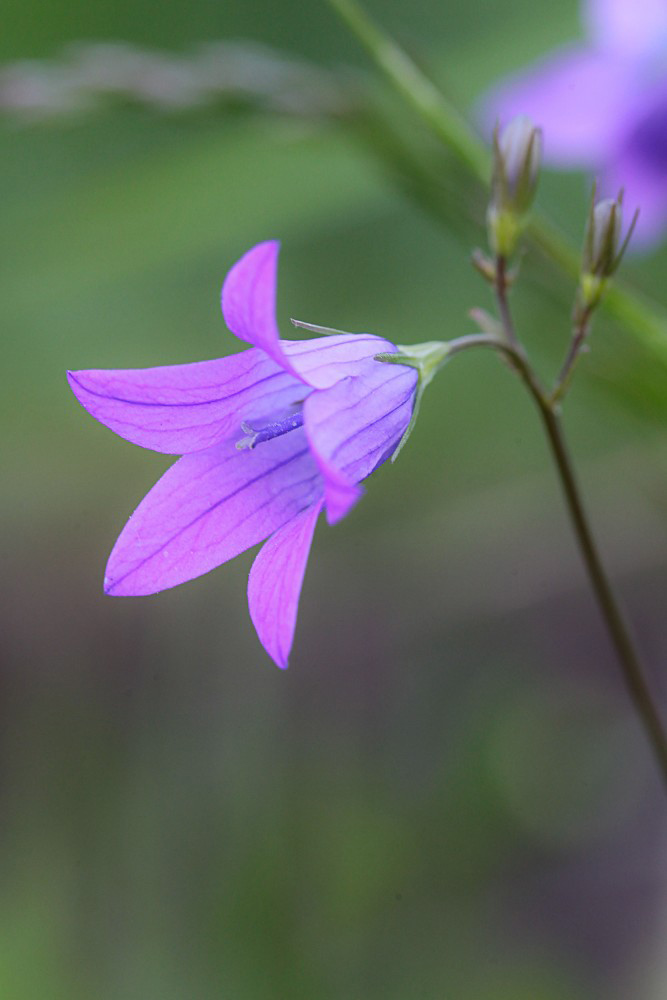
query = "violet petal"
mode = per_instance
[
  {"x": 633, "y": 29},
  {"x": 579, "y": 97},
  {"x": 355, "y": 425},
  {"x": 275, "y": 583},
  {"x": 177, "y": 409},
  {"x": 323, "y": 361},
  {"x": 643, "y": 189},
  {"x": 249, "y": 300},
  {"x": 208, "y": 507},
  {"x": 249, "y": 308}
]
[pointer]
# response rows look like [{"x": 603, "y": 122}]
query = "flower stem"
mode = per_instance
[
  {"x": 579, "y": 334},
  {"x": 501, "y": 287},
  {"x": 618, "y": 631},
  {"x": 617, "y": 628}
]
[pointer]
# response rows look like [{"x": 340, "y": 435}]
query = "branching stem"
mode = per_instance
[
  {"x": 646, "y": 320},
  {"x": 617, "y": 628}
]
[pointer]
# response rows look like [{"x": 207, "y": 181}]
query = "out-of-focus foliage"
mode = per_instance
[{"x": 446, "y": 795}]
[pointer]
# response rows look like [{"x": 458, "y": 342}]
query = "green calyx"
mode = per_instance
[{"x": 427, "y": 359}]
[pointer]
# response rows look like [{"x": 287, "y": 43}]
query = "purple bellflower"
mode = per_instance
[
  {"x": 268, "y": 438},
  {"x": 603, "y": 105}
]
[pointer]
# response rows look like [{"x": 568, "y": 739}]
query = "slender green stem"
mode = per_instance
[
  {"x": 618, "y": 631},
  {"x": 459, "y": 344},
  {"x": 633, "y": 672},
  {"x": 582, "y": 322},
  {"x": 645, "y": 319},
  {"x": 501, "y": 288}
]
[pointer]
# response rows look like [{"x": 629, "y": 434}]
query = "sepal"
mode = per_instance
[{"x": 427, "y": 358}]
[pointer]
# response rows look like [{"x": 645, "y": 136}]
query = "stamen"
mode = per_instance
[{"x": 257, "y": 435}]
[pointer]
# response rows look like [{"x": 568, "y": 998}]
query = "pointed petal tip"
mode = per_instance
[
  {"x": 78, "y": 387},
  {"x": 275, "y": 580},
  {"x": 248, "y": 301},
  {"x": 113, "y": 587},
  {"x": 354, "y": 426},
  {"x": 259, "y": 256},
  {"x": 120, "y": 587},
  {"x": 341, "y": 498},
  {"x": 278, "y": 657}
]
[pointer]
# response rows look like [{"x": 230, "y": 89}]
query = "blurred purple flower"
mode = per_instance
[
  {"x": 268, "y": 436},
  {"x": 603, "y": 105}
]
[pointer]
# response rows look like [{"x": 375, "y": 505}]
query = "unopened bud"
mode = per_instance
[
  {"x": 517, "y": 154},
  {"x": 603, "y": 250}
]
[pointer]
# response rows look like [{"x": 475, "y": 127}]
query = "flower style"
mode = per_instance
[
  {"x": 268, "y": 437},
  {"x": 603, "y": 105}
]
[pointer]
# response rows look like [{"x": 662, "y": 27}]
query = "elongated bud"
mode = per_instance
[
  {"x": 603, "y": 237},
  {"x": 603, "y": 250},
  {"x": 517, "y": 155}
]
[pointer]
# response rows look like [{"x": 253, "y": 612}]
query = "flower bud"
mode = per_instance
[
  {"x": 603, "y": 250},
  {"x": 603, "y": 234},
  {"x": 517, "y": 153}
]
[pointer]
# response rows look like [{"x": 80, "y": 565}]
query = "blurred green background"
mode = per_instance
[{"x": 447, "y": 795}]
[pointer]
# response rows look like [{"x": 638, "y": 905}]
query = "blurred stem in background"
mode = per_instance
[{"x": 92, "y": 77}]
